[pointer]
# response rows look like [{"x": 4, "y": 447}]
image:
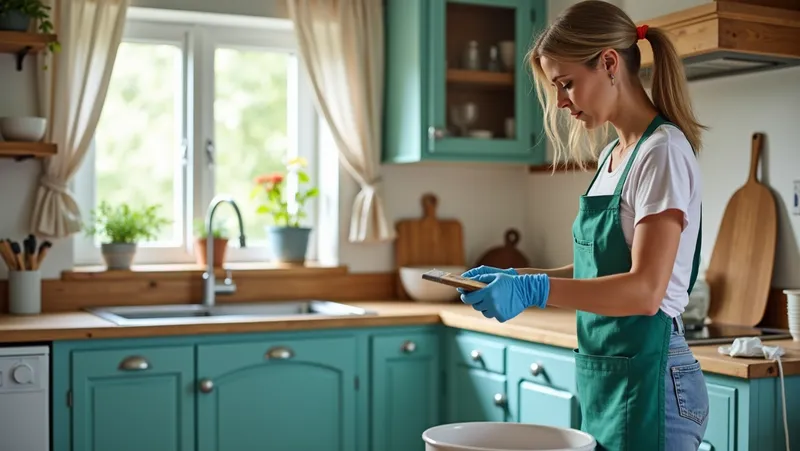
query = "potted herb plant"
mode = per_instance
[
  {"x": 219, "y": 238},
  {"x": 16, "y": 15},
  {"x": 120, "y": 228},
  {"x": 288, "y": 239}
]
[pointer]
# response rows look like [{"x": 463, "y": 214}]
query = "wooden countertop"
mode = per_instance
[{"x": 550, "y": 326}]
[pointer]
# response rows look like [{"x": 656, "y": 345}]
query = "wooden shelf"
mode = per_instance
[
  {"x": 482, "y": 78},
  {"x": 20, "y": 43},
  {"x": 570, "y": 167},
  {"x": 24, "y": 150}
]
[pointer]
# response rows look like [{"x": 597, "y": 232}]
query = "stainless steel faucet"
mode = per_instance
[{"x": 210, "y": 287}]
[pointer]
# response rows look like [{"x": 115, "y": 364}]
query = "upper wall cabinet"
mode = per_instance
[{"x": 457, "y": 85}]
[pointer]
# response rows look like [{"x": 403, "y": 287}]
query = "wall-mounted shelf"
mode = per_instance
[
  {"x": 25, "y": 150},
  {"x": 21, "y": 44},
  {"x": 570, "y": 167},
  {"x": 480, "y": 78}
]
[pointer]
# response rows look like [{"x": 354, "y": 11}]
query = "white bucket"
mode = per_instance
[{"x": 498, "y": 436}]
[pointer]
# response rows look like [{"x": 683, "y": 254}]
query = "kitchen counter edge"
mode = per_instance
[{"x": 550, "y": 327}]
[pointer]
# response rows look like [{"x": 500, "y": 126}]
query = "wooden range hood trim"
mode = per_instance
[{"x": 727, "y": 26}]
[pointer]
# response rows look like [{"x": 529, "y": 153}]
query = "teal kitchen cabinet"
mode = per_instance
[
  {"x": 405, "y": 389},
  {"x": 476, "y": 380},
  {"x": 296, "y": 393},
  {"x": 438, "y": 105},
  {"x": 132, "y": 399}
]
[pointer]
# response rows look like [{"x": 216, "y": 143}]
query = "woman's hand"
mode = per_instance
[{"x": 506, "y": 296}]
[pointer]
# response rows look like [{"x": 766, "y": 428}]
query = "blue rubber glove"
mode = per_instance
[
  {"x": 506, "y": 296},
  {"x": 483, "y": 269}
]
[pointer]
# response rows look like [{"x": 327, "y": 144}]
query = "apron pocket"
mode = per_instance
[
  {"x": 602, "y": 386},
  {"x": 690, "y": 390},
  {"x": 584, "y": 263}
]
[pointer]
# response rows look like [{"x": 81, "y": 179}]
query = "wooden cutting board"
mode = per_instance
[
  {"x": 428, "y": 240},
  {"x": 740, "y": 270}
]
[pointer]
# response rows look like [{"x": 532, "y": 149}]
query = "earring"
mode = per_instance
[{"x": 612, "y": 79}]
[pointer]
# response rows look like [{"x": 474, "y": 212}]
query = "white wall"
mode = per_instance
[{"x": 734, "y": 108}]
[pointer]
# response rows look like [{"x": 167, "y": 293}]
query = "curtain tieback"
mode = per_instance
[
  {"x": 371, "y": 186},
  {"x": 54, "y": 184}
]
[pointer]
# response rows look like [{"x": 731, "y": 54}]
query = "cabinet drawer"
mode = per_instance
[
  {"x": 478, "y": 352},
  {"x": 542, "y": 366},
  {"x": 141, "y": 360}
]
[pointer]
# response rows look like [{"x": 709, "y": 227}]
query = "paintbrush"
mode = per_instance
[
  {"x": 43, "y": 248},
  {"x": 15, "y": 248},
  {"x": 8, "y": 256},
  {"x": 30, "y": 251}
]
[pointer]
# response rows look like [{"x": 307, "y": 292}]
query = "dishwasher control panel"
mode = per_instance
[{"x": 22, "y": 373}]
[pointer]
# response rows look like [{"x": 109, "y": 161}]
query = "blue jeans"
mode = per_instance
[{"x": 686, "y": 395}]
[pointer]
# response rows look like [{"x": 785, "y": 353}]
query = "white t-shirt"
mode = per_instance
[{"x": 665, "y": 175}]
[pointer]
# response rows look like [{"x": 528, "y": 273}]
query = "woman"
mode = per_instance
[{"x": 636, "y": 235}]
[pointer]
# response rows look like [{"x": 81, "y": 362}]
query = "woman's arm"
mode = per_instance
[
  {"x": 638, "y": 292},
  {"x": 564, "y": 272}
]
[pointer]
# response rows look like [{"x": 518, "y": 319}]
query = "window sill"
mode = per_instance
[{"x": 184, "y": 270}]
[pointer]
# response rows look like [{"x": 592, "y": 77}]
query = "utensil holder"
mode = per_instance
[{"x": 24, "y": 292}]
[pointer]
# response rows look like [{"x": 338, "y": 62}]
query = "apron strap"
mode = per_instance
[{"x": 601, "y": 166}]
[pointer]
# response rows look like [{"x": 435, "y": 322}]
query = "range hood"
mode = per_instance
[{"x": 727, "y": 37}]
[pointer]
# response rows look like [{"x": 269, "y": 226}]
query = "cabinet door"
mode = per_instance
[
  {"x": 721, "y": 430},
  {"x": 466, "y": 100},
  {"x": 297, "y": 394},
  {"x": 476, "y": 395},
  {"x": 405, "y": 390},
  {"x": 133, "y": 399},
  {"x": 542, "y": 387}
]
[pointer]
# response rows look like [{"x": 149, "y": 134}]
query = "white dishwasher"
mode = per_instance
[{"x": 25, "y": 398}]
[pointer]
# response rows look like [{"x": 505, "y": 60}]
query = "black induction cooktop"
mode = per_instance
[{"x": 725, "y": 333}]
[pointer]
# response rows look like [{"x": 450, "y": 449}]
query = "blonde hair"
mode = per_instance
[{"x": 579, "y": 35}]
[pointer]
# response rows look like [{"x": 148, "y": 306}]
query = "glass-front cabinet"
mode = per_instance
[{"x": 457, "y": 84}]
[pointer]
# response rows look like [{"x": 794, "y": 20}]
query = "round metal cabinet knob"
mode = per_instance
[
  {"x": 206, "y": 386},
  {"x": 499, "y": 400},
  {"x": 409, "y": 346},
  {"x": 536, "y": 369},
  {"x": 475, "y": 355}
]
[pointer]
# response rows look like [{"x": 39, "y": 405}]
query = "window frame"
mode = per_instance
[{"x": 200, "y": 34}]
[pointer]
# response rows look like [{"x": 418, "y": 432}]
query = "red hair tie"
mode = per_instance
[{"x": 641, "y": 32}]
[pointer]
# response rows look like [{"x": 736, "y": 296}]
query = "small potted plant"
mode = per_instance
[
  {"x": 288, "y": 239},
  {"x": 219, "y": 238},
  {"x": 16, "y": 15},
  {"x": 120, "y": 228}
]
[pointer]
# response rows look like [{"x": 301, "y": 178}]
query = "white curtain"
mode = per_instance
[
  {"x": 72, "y": 91},
  {"x": 341, "y": 45}
]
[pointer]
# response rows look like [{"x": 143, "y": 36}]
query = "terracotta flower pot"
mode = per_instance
[{"x": 220, "y": 246}]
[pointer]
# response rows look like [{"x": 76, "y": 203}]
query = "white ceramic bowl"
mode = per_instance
[
  {"x": 498, "y": 436},
  {"x": 25, "y": 129},
  {"x": 423, "y": 290}
]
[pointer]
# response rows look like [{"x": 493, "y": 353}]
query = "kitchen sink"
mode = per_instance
[{"x": 169, "y": 314}]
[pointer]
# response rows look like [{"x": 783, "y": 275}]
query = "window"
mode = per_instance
[{"x": 198, "y": 105}]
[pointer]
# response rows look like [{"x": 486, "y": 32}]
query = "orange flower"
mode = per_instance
[{"x": 269, "y": 179}]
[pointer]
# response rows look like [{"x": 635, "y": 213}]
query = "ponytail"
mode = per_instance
[{"x": 669, "y": 89}]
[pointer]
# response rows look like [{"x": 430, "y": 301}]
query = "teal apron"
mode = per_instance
[{"x": 620, "y": 361}]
